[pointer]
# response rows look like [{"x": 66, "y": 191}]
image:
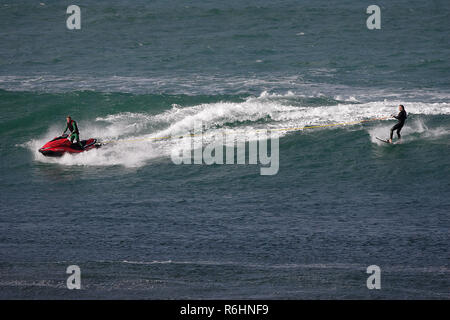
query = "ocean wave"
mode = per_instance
[
  {"x": 132, "y": 139},
  {"x": 199, "y": 84}
]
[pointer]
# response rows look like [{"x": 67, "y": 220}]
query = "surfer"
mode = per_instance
[
  {"x": 401, "y": 117},
  {"x": 73, "y": 128}
]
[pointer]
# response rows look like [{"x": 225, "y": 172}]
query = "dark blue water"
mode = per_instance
[{"x": 140, "y": 226}]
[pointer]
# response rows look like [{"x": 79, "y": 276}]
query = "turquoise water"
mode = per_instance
[{"x": 140, "y": 226}]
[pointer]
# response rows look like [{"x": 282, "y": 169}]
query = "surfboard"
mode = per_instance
[{"x": 385, "y": 141}]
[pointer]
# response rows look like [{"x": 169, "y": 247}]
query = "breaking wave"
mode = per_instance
[{"x": 134, "y": 138}]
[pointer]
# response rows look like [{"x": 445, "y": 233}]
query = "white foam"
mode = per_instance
[
  {"x": 132, "y": 137},
  {"x": 213, "y": 84},
  {"x": 416, "y": 129}
]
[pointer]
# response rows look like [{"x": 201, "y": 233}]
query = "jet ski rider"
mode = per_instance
[{"x": 73, "y": 128}]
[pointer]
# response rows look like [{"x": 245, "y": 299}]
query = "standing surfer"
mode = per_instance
[
  {"x": 401, "y": 117},
  {"x": 73, "y": 128}
]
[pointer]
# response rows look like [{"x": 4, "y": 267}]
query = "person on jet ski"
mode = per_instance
[{"x": 73, "y": 128}]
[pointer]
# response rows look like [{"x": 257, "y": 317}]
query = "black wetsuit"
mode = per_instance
[{"x": 401, "y": 117}]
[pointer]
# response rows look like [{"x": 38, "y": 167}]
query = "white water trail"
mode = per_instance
[{"x": 133, "y": 137}]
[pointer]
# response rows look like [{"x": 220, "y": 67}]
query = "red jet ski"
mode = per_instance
[{"x": 61, "y": 145}]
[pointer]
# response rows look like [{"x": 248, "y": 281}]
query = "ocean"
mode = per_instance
[{"x": 139, "y": 74}]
